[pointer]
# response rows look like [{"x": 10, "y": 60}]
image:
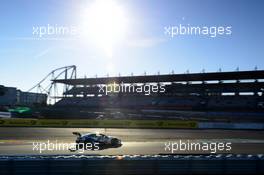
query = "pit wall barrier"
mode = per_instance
[
  {"x": 133, "y": 165},
  {"x": 99, "y": 123},
  {"x": 91, "y": 123}
]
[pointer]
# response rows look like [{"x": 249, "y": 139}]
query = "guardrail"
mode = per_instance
[{"x": 225, "y": 125}]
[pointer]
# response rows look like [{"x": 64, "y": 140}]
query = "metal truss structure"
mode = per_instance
[{"x": 53, "y": 89}]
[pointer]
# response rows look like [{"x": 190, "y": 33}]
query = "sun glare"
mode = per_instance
[{"x": 106, "y": 24}]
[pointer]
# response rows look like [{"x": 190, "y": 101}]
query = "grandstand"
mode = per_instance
[{"x": 225, "y": 91}]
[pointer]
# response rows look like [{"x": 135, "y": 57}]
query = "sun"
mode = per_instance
[{"x": 105, "y": 23}]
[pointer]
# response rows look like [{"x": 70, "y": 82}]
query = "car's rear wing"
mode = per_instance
[{"x": 77, "y": 134}]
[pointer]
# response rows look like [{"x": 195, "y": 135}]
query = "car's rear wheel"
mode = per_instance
[{"x": 89, "y": 145}]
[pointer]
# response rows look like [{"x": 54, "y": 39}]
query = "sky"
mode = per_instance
[{"x": 127, "y": 36}]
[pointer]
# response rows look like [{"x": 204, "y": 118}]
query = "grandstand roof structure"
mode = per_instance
[{"x": 213, "y": 76}]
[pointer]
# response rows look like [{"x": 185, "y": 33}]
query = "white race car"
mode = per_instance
[{"x": 100, "y": 140}]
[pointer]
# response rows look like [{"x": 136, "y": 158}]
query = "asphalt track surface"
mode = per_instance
[{"x": 21, "y": 141}]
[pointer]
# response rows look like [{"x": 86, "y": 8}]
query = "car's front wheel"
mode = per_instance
[{"x": 114, "y": 142}]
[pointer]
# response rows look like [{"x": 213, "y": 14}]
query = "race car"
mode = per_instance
[{"x": 96, "y": 140}]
